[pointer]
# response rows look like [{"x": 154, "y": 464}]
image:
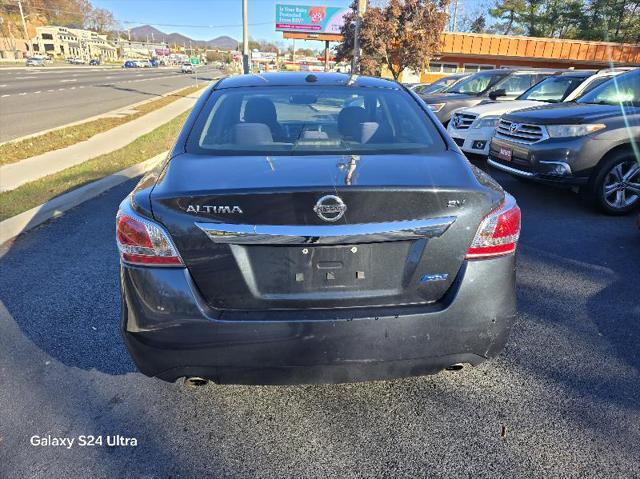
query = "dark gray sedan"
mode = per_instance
[{"x": 314, "y": 228}]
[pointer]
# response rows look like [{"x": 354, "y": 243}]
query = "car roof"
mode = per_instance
[
  {"x": 578, "y": 73},
  {"x": 305, "y": 79}
]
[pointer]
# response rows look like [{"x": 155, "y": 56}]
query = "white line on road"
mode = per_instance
[
  {"x": 73, "y": 88},
  {"x": 39, "y": 91},
  {"x": 60, "y": 89},
  {"x": 71, "y": 79},
  {"x": 50, "y": 90},
  {"x": 5, "y": 96},
  {"x": 22, "y": 94},
  {"x": 2, "y": 86}
]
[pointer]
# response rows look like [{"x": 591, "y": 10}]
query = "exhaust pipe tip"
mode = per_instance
[
  {"x": 455, "y": 367},
  {"x": 195, "y": 381}
]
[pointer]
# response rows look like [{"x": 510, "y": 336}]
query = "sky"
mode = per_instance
[{"x": 207, "y": 19}]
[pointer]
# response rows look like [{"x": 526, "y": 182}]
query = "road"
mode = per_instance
[
  {"x": 563, "y": 400},
  {"x": 33, "y": 100}
]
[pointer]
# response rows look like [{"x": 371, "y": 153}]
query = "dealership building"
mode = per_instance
[{"x": 473, "y": 52}]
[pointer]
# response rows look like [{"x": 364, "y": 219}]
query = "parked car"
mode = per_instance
[
  {"x": 286, "y": 244},
  {"x": 34, "y": 62},
  {"x": 591, "y": 143},
  {"x": 502, "y": 84},
  {"x": 129, "y": 64},
  {"x": 472, "y": 128},
  {"x": 94, "y": 62},
  {"x": 439, "y": 85},
  {"x": 187, "y": 68}
]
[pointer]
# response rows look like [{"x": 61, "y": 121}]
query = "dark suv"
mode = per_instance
[
  {"x": 499, "y": 85},
  {"x": 593, "y": 143}
]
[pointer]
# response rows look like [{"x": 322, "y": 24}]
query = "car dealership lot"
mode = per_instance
[{"x": 563, "y": 400}]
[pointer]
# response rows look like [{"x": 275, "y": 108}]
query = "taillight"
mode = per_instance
[
  {"x": 142, "y": 242},
  {"x": 498, "y": 232}
]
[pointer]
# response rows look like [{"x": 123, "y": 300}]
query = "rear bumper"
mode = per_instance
[{"x": 171, "y": 333}]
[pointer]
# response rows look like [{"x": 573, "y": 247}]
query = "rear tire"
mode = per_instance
[{"x": 615, "y": 188}]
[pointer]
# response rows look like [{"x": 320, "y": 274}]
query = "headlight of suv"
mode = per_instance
[
  {"x": 489, "y": 121},
  {"x": 436, "y": 106},
  {"x": 565, "y": 131}
]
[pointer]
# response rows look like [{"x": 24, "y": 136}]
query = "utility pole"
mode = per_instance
[
  {"x": 326, "y": 55},
  {"x": 355, "y": 63},
  {"x": 24, "y": 26},
  {"x": 245, "y": 37}
]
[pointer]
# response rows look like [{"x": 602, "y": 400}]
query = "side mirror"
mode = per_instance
[{"x": 497, "y": 93}]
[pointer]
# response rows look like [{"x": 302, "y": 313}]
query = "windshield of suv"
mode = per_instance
[
  {"x": 478, "y": 83},
  {"x": 313, "y": 120},
  {"x": 552, "y": 89},
  {"x": 621, "y": 89}
]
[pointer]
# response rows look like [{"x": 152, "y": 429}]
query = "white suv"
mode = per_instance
[{"x": 472, "y": 128}]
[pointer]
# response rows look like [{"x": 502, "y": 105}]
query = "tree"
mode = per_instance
[
  {"x": 402, "y": 34},
  {"x": 604, "y": 20},
  {"x": 479, "y": 24},
  {"x": 101, "y": 21}
]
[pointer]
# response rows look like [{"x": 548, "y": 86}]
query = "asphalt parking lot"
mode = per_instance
[{"x": 563, "y": 400}]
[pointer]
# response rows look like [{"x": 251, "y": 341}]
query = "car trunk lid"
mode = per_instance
[{"x": 299, "y": 232}]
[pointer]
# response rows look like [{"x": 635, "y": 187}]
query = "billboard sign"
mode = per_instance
[{"x": 309, "y": 19}]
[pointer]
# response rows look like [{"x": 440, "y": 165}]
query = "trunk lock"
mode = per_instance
[{"x": 354, "y": 249}]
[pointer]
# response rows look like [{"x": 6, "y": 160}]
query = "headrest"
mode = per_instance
[{"x": 251, "y": 134}]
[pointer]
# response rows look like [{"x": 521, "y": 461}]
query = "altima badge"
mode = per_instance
[
  {"x": 214, "y": 209},
  {"x": 330, "y": 208}
]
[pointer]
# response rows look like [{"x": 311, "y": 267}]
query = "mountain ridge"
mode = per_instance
[{"x": 147, "y": 32}]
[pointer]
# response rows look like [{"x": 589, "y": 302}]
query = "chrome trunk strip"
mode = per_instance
[{"x": 326, "y": 234}]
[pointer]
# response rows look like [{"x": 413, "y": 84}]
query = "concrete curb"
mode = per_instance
[
  {"x": 12, "y": 227},
  {"x": 97, "y": 117}
]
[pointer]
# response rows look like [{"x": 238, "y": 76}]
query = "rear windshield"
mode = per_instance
[{"x": 312, "y": 120}]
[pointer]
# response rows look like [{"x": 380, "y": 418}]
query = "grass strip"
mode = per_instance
[
  {"x": 54, "y": 140},
  {"x": 40, "y": 191}
]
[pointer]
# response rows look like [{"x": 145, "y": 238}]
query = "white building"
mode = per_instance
[{"x": 62, "y": 42}]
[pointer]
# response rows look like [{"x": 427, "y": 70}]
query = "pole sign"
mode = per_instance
[{"x": 309, "y": 19}]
